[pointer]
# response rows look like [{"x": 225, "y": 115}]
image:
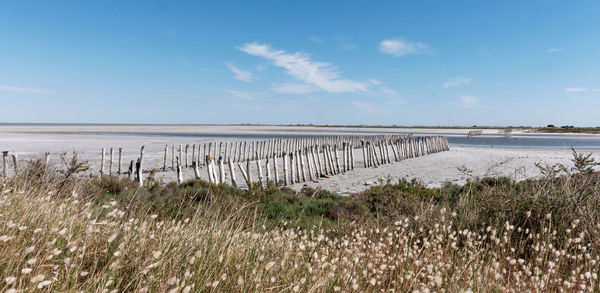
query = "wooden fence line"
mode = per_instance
[{"x": 302, "y": 159}]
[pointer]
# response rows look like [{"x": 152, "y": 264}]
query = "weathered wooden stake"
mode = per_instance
[
  {"x": 120, "y": 170},
  {"x": 276, "y": 170},
  {"x": 102, "y": 162},
  {"x": 187, "y": 146},
  {"x": 179, "y": 173},
  {"x": 46, "y": 160},
  {"x": 140, "y": 169},
  {"x": 232, "y": 172},
  {"x": 260, "y": 174},
  {"x": 15, "y": 163},
  {"x": 165, "y": 158},
  {"x": 196, "y": 170},
  {"x": 221, "y": 171},
  {"x": 285, "y": 170},
  {"x": 4, "y": 157},
  {"x": 130, "y": 171},
  {"x": 110, "y": 164},
  {"x": 208, "y": 169},
  {"x": 244, "y": 175}
]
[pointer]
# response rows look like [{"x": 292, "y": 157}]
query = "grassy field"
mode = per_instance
[{"x": 61, "y": 232}]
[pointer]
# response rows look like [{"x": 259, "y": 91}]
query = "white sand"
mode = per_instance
[{"x": 433, "y": 170}]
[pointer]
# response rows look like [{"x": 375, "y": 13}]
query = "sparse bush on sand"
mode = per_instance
[{"x": 109, "y": 235}]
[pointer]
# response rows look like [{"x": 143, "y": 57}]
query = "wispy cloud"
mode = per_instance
[
  {"x": 467, "y": 101},
  {"x": 298, "y": 65},
  {"x": 389, "y": 91},
  {"x": 293, "y": 88},
  {"x": 8, "y": 88},
  {"x": 456, "y": 82},
  {"x": 366, "y": 106},
  {"x": 240, "y": 74},
  {"x": 398, "y": 48},
  {"x": 241, "y": 94},
  {"x": 555, "y": 50},
  {"x": 575, "y": 90},
  {"x": 374, "y": 81}
]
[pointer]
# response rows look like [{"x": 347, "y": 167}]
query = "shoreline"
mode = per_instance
[{"x": 433, "y": 170}]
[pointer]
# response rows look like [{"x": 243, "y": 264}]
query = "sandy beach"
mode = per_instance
[{"x": 456, "y": 165}]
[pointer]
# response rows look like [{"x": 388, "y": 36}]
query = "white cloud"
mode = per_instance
[
  {"x": 389, "y": 91},
  {"x": 575, "y": 90},
  {"x": 240, "y": 74},
  {"x": 456, "y": 82},
  {"x": 240, "y": 94},
  {"x": 17, "y": 89},
  {"x": 365, "y": 106},
  {"x": 555, "y": 50},
  {"x": 400, "y": 48},
  {"x": 468, "y": 101},
  {"x": 374, "y": 81},
  {"x": 595, "y": 90},
  {"x": 298, "y": 65},
  {"x": 293, "y": 88}
]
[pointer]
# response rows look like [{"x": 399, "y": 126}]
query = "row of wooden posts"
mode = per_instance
[
  {"x": 303, "y": 159},
  {"x": 15, "y": 161}
]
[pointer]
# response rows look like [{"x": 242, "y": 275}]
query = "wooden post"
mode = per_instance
[
  {"x": 196, "y": 170},
  {"x": 208, "y": 168},
  {"x": 180, "y": 152},
  {"x": 337, "y": 159},
  {"x": 140, "y": 169},
  {"x": 249, "y": 173},
  {"x": 179, "y": 173},
  {"x": 4, "y": 157},
  {"x": 244, "y": 175},
  {"x": 120, "y": 168},
  {"x": 110, "y": 164},
  {"x": 102, "y": 162},
  {"x": 173, "y": 157},
  {"x": 130, "y": 172},
  {"x": 292, "y": 167},
  {"x": 193, "y": 153},
  {"x": 310, "y": 169},
  {"x": 213, "y": 170},
  {"x": 351, "y": 156},
  {"x": 46, "y": 160},
  {"x": 187, "y": 146},
  {"x": 15, "y": 163},
  {"x": 165, "y": 158},
  {"x": 321, "y": 173},
  {"x": 344, "y": 157},
  {"x": 285, "y": 170},
  {"x": 276, "y": 169},
  {"x": 301, "y": 159},
  {"x": 364, "y": 152},
  {"x": 232, "y": 172},
  {"x": 260, "y": 174},
  {"x": 221, "y": 171},
  {"x": 268, "y": 167}
]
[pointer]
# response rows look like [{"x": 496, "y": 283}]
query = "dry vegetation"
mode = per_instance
[{"x": 63, "y": 233}]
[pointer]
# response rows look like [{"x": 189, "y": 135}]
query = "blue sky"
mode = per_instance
[{"x": 320, "y": 62}]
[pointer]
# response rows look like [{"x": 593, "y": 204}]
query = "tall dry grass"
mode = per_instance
[
  {"x": 51, "y": 244},
  {"x": 54, "y": 238}
]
